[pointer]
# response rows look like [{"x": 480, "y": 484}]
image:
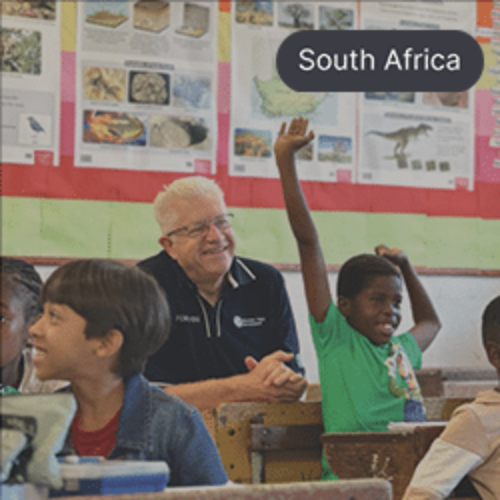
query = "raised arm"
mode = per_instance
[
  {"x": 427, "y": 323},
  {"x": 314, "y": 272},
  {"x": 269, "y": 380}
]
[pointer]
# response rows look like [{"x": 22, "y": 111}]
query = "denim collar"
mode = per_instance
[{"x": 134, "y": 429}]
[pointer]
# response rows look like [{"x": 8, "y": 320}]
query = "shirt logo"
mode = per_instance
[
  {"x": 185, "y": 318},
  {"x": 248, "y": 322}
]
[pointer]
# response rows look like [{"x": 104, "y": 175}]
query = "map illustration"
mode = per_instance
[{"x": 273, "y": 99}]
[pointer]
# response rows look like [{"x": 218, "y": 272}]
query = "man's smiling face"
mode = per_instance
[{"x": 207, "y": 255}]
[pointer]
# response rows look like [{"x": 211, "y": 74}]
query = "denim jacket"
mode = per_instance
[{"x": 157, "y": 426}]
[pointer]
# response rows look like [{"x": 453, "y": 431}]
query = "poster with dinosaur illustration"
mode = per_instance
[
  {"x": 416, "y": 150},
  {"x": 260, "y": 101},
  {"x": 417, "y": 139}
]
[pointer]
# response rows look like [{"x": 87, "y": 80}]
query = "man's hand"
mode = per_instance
[
  {"x": 294, "y": 139},
  {"x": 394, "y": 255},
  {"x": 268, "y": 380},
  {"x": 271, "y": 380}
]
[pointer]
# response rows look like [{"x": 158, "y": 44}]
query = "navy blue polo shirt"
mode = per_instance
[{"x": 252, "y": 318}]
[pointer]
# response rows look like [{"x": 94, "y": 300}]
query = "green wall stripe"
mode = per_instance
[{"x": 69, "y": 228}]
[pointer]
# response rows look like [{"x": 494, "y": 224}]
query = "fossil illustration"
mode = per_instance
[
  {"x": 179, "y": 133},
  {"x": 149, "y": 88},
  {"x": 104, "y": 84}
]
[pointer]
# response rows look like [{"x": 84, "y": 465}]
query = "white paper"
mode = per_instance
[
  {"x": 146, "y": 86},
  {"x": 260, "y": 101},
  {"x": 417, "y": 139},
  {"x": 30, "y": 82}
]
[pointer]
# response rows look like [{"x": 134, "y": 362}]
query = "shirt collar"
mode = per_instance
[
  {"x": 488, "y": 397},
  {"x": 239, "y": 274}
]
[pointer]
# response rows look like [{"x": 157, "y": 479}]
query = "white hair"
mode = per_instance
[{"x": 184, "y": 188}]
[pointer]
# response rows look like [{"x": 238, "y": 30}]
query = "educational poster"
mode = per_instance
[
  {"x": 417, "y": 139},
  {"x": 418, "y": 15},
  {"x": 30, "y": 82},
  {"x": 260, "y": 101},
  {"x": 126, "y": 96},
  {"x": 146, "y": 85},
  {"x": 403, "y": 148},
  {"x": 488, "y": 101}
]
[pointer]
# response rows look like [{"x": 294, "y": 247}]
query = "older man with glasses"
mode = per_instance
[{"x": 233, "y": 336}]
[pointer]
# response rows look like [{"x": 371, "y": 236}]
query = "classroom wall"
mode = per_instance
[
  {"x": 459, "y": 301},
  {"x": 51, "y": 207}
]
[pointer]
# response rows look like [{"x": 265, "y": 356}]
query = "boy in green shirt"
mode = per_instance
[{"x": 367, "y": 378}]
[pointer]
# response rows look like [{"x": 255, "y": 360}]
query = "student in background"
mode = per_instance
[
  {"x": 21, "y": 306},
  {"x": 470, "y": 444},
  {"x": 366, "y": 374},
  {"x": 101, "y": 321}
]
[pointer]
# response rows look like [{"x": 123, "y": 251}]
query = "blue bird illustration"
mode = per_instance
[{"x": 35, "y": 126}]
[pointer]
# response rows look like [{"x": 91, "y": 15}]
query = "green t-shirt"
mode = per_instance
[{"x": 363, "y": 386}]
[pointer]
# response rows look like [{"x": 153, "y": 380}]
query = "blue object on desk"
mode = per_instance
[
  {"x": 94, "y": 476},
  {"x": 76, "y": 459}
]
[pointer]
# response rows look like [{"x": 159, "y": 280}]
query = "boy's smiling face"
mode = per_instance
[
  {"x": 62, "y": 350},
  {"x": 375, "y": 312}
]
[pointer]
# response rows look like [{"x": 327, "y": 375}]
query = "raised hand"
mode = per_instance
[
  {"x": 427, "y": 323},
  {"x": 293, "y": 139},
  {"x": 394, "y": 255}
]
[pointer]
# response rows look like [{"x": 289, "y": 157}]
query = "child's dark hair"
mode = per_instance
[
  {"x": 26, "y": 284},
  {"x": 491, "y": 322},
  {"x": 357, "y": 273},
  {"x": 110, "y": 295}
]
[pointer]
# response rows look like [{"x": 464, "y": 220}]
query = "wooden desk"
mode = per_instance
[
  {"x": 234, "y": 428},
  {"x": 300, "y": 441},
  {"x": 372, "y": 489},
  {"x": 231, "y": 428},
  {"x": 388, "y": 455}
]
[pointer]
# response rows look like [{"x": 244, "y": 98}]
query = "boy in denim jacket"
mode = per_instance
[{"x": 101, "y": 321}]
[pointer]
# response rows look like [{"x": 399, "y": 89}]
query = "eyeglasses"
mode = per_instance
[{"x": 202, "y": 227}]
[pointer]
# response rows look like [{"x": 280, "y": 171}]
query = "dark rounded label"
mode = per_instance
[{"x": 390, "y": 61}]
